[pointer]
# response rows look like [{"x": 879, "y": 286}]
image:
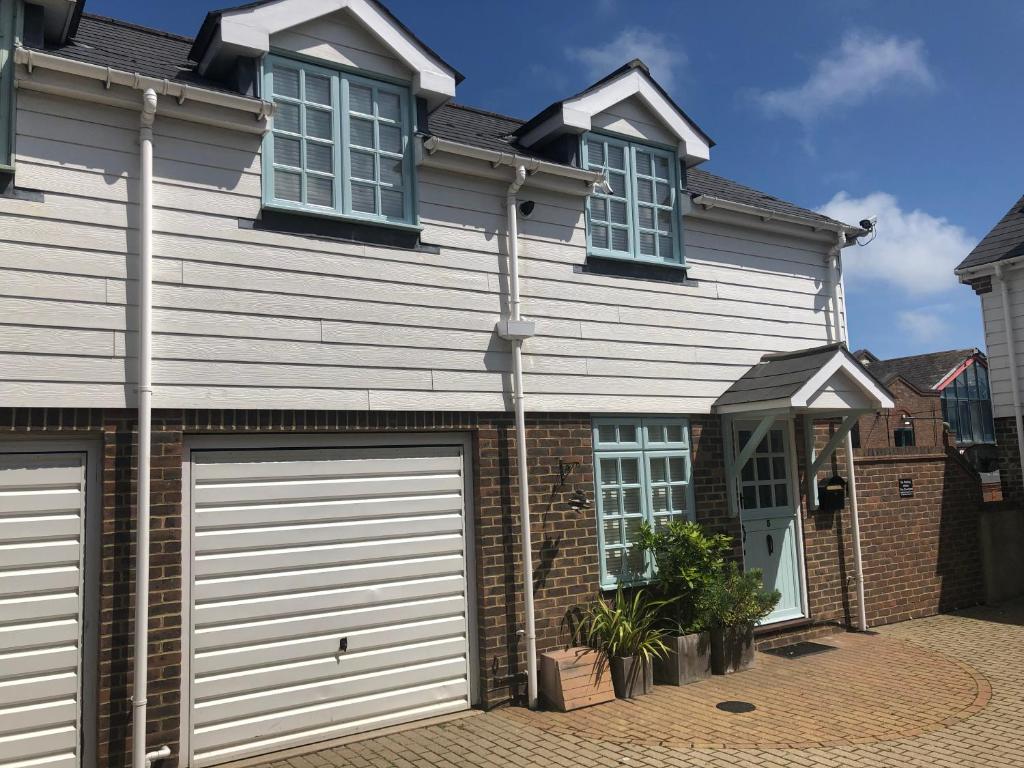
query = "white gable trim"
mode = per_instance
[
  {"x": 878, "y": 397},
  {"x": 247, "y": 32},
  {"x": 576, "y": 115}
]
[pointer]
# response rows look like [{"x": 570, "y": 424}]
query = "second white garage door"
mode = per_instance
[{"x": 330, "y": 594}]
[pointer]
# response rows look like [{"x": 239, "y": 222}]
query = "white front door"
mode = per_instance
[{"x": 768, "y": 515}]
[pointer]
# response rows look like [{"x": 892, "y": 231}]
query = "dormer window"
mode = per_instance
[
  {"x": 339, "y": 144},
  {"x": 637, "y": 217}
]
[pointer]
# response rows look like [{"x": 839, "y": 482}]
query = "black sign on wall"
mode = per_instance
[{"x": 906, "y": 486}]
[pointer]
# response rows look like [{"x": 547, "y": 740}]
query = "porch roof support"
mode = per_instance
[{"x": 815, "y": 463}]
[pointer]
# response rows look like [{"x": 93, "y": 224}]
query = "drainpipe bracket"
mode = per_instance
[{"x": 516, "y": 330}]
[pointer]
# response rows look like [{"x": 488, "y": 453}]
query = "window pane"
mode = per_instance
[
  {"x": 646, "y": 215},
  {"x": 360, "y": 99},
  {"x": 659, "y": 470},
  {"x": 664, "y": 194},
  {"x": 361, "y": 133},
  {"x": 982, "y": 383},
  {"x": 779, "y": 467},
  {"x": 664, "y": 221},
  {"x": 362, "y": 166},
  {"x": 286, "y": 82},
  {"x": 318, "y": 123},
  {"x": 677, "y": 468},
  {"x": 665, "y": 248},
  {"x": 748, "y": 472},
  {"x": 609, "y": 471},
  {"x": 781, "y": 495},
  {"x": 764, "y": 496},
  {"x": 635, "y": 565},
  {"x": 599, "y": 208},
  {"x": 764, "y": 471},
  {"x": 660, "y": 500},
  {"x": 610, "y": 501},
  {"x": 627, "y": 433},
  {"x": 616, "y": 157},
  {"x": 390, "y": 138},
  {"x": 318, "y": 89},
  {"x": 620, "y": 240},
  {"x": 750, "y": 497},
  {"x": 647, "y": 244},
  {"x": 674, "y": 433},
  {"x": 320, "y": 191},
  {"x": 606, "y": 433},
  {"x": 618, "y": 182},
  {"x": 392, "y": 203},
  {"x": 630, "y": 469},
  {"x": 679, "y": 498},
  {"x": 391, "y": 171},
  {"x": 633, "y": 526},
  {"x": 631, "y": 503},
  {"x": 599, "y": 237},
  {"x": 643, "y": 191},
  {"x": 617, "y": 210},
  {"x": 320, "y": 157},
  {"x": 613, "y": 561},
  {"x": 776, "y": 435},
  {"x": 287, "y": 186},
  {"x": 972, "y": 382},
  {"x": 287, "y": 151},
  {"x": 364, "y": 199},
  {"x": 389, "y": 106},
  {"x": 643, "y": 163},
  {"x": 661, "y": 167},
  {"x": 612, "y": 532},
  {"x": 595, "y": 152},
  {"x": 965, "y": 421},
  {"x": 286, "y": 117}
]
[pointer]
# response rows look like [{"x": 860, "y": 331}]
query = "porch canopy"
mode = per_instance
[{"x": 820, "y": 383}]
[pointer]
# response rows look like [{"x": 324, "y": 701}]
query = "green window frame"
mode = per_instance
[
  {"x": 339, "y": 145},
  {"x": 639, "y": 217},
  {"x": 967, "y": 406},
  {"x": 643, "y": 474},
  {"x": 10, "y": 25}
]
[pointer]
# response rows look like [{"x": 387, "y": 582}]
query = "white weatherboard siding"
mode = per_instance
[
  {"x": 248, "y": 318},
  {"x": 995, "y": 340},
  {"x": 329, "y": 594},
  {"x": 42, "y": 503}
]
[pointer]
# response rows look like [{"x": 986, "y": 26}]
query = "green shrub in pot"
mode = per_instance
[
  {"x": 733, "y": 603},
  {"x": 626, "y": 631}
]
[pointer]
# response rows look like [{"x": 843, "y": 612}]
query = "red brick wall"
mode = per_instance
[
  {"x": 1009, "y": 460},
  {"x": 876, "y": 429}
]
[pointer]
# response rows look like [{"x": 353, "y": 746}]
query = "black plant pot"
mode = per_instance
[
  {"x": 732, "y": 649},
  {"x": 631, "y": 677},
  {"x": 687, "y": 661}
]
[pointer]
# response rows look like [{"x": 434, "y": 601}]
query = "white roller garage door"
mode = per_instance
[
  {"x": 329, "y": 593},
  {"x": 42, "y": 510}
]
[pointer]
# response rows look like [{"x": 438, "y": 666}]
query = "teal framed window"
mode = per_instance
[
  {"x": 643, "y": 474},
  {"x": 339, "y": 144},
  {"x": 638, "y": 217},
  {"x": 967, "y": 406}
]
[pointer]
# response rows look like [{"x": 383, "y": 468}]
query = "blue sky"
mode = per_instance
[{"x": 907, "y": 110}]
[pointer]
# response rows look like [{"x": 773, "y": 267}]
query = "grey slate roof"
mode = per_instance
[
  {"x": 920, "y": 371},
  {"x": 1005, "y": 241},
  {"x": 117, "y": 44},
  {"x": 489, "y": 130},
  {"x": 781, "y": 375}
]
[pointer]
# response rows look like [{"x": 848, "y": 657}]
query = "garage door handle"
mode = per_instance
[
  {"x": 771, "y": 545},
  {"x": 343, "y": 645}
]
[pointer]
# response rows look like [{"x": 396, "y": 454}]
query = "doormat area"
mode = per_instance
[{"x": 797, "y": 650}]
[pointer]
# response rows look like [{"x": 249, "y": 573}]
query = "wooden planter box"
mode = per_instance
[
  {"x": 732, "y": 649},
  {"x": 575, "y": 678},
  {"x": 688, "y": 660}
]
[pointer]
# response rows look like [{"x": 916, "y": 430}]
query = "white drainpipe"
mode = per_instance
[
  {"x": 514, "y": 330},
  {"x": 1011, "y": 352},
  {"x": 140, "y": 758},
  {"x": 840, "y": 330}
]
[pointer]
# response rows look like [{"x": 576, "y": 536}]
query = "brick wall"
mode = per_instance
[
  {"x": 876, "y": 429},
  {"x": 1009, "y": 460}
]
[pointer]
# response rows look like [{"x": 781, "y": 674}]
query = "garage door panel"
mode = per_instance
[
  {"x": 250, "y": 466},
  {"x": 44, "y": 608},
  {"x": 284, "y": 582},
  {"x": 326, "y": 667},
  {"x": 297, "y": 551},
  {"x": 319, "y": 556},
  {"x": 20, "y": 529},
  {"x": 348, "y": 532},
  {"x": 304, "y": 648},
  {"x": 32, "y": 690},
  {"x": 14, "y": 501},
  {"x": 49, "y": 715},
  {"x": 318, "y": 716},
  {"x": 38, "y": 635},
  {"x": 341, "y": 623},
  {"x": 342, "y": 687},
  {"x": 324, "y": 490},
  {"x": 60, "y": 741},
  {"x": 215, "y": 518},
  {"x": 28, "y": 554},
  {"x": 297, "y": 603},
  {"x": 36, "y": 581},
  {"x": 32, "y": 663}
]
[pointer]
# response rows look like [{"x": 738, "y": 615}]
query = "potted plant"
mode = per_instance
[
  {"x": 734, "y": 602},
  {"x": 687, "y": 560},
  {"x": 625, "y": 630}
]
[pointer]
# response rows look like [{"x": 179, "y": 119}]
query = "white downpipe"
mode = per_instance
[
  {"x": 840, "y": 329},
  {"x": 511, "y": 204},
  {"x": 1011, "y": 351},
  {"x": 141, "y": 658}
]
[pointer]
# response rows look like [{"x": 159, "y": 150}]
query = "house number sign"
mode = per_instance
[{"x": 906, "y": 486}]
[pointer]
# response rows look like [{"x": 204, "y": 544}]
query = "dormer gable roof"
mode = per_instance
[
  {"x": 632, "y": 80},
  {"x": 245, "y": 30}
]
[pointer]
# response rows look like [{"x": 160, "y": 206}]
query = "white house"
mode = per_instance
[{"x": 347, "y": 318}]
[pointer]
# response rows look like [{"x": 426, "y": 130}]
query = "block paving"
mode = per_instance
[{"x": 943, "y": 691}]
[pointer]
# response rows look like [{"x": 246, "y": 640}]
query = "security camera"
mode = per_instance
[{"x": 869, "y": 224}]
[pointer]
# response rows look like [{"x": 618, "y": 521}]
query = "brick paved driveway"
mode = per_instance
[{"x": 946, "y": 691}]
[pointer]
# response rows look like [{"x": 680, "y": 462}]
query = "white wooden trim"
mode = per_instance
[
  {"x": 792, "y": 460},
  {"x": 844, "y": 429},
  {"x": 331, "y": 441},
  {"x": 840, "y": 362}
]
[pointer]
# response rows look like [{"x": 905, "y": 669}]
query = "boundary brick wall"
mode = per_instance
[
  {"x": 1009, "y": 460},
  {"x": 876, "y": 429}
]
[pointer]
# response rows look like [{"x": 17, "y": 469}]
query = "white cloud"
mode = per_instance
[
  {"x": 913, "y": 251},
  {"x": 865, "y": 64},
  {"x": 662, "y": 57},
  {"x": 925, "y": 325}
]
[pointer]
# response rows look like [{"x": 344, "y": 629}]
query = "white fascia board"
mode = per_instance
[
  {"x": 780, "y": 406},
  {"x": 840, "y": 362},
  {"x": 247, "y": 32}
]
